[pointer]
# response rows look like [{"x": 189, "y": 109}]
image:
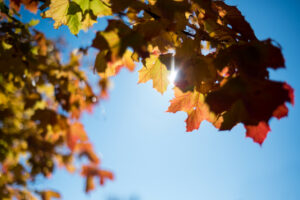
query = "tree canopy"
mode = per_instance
[{"x": 222, "y": 77}]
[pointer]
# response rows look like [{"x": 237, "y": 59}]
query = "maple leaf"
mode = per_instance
[
  {"x": 155, "y": 70},
  {"x": 125, "y": 61},
  {"x": 76, "y": 14},
  {"x": 92, "y": 171},
  {"x": 260, "y": 97},
  {"x": 58, "y": 11},
  {"x": 76, "y": 134},
  {"x": 194, "y": 105},
  {"x": 92, "y": 9},
  {"x": 199, "y": 72},
  {"x": 250, "y": 102},
  {"x": 107, "y": 68}
]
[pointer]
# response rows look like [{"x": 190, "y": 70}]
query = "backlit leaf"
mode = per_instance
[
  {"x": 157, "y": 72},
  {"x": 259, "y": 132},
  {"x": 194, "y": 105},
  {"x": 76, "y": 14}
]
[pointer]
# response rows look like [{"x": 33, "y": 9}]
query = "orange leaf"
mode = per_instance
[
  {"x": 91, "y": 171},
  {"x": 193, "y": 104},
  {"x": 76, "y": 133},
  {"x": 111, "y": 68}
]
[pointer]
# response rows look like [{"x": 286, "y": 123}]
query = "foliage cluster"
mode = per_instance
[{"x": 222, "y": 71}]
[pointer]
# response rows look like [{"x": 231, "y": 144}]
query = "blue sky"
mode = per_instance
[{"x": 152, "y": 156}]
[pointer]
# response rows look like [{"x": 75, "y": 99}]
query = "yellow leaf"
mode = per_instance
[
  {"x": 194, "y": 105},
  {"x": 156, "y": 71},
  {"x": 58, "y": 12},
  {"x": 108, "y": 69}
]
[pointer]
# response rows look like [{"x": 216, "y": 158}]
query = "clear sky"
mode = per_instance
[{"x": 152, "y": 156}]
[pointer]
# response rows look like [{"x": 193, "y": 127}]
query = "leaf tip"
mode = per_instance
[{"x": 258, "y": 132}]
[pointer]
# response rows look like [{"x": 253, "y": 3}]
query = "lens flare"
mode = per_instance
[{"x": 173, "y": 72}]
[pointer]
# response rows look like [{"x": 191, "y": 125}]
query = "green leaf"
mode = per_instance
[{"x": 76, "y": 14}]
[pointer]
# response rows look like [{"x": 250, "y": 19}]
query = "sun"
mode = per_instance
[{"x": 173, "y": 73}]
